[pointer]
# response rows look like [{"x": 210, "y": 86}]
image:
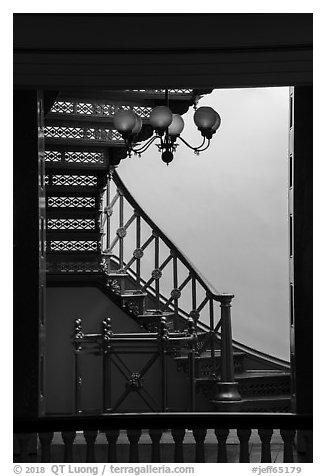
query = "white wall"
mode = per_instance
[{"x": 227, "y": 208}]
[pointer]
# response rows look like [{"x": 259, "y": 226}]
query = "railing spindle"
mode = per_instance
[
  {"x": 120, "y": 231},
  {"x": 200, "y": 435},
  {"x": 46, "y": 440},
  {"x": 175, "y": 291},
  {"x": 90, "y": 437},
  {"x": 138, "y": 238},
  {"x": 194, "y": 294},
  {"x": 156, "y": 436},
  {"x": 112, "y": 437},
  {"x": 178, "y": 435},
  {"x": 68, "y": 438},
  {"x": 108, "y": 215},
  {"x": 156, "y": 266},
  {"x": 265, "y": 436},
  {"x": 288, "y": 440},
  {"x": 244, "y": 436},
  {"x": 222, "y": 436},
  {"x": 133, "y": 437},
  {"x": 212, "y": 337}
]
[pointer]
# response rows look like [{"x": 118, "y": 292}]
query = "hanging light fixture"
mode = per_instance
[{"x": 167, "y": 127}]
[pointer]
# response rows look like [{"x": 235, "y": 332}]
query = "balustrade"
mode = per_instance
[
  {"x": 133, "y": 244},
  {"x": 200, "y": 424}
]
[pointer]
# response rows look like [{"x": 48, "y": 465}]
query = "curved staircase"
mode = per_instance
[{"x": 98, "y": 235}]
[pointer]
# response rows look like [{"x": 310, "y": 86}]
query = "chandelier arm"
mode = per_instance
[
  {"x": 197, "y": 149},
  {"x": 206, "y": 147},
  {"x": 145, "y": 146}
]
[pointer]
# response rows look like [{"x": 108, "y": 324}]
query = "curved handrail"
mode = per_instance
[{"x": 209, "y": 288}]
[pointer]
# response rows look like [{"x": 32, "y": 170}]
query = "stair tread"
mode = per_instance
[
  {"x": 75, "y": 166},
  {"x": 133, "y": 293},
  {"x": 80, "y": 189},
  {"x": 261, "y": 373},
  {"x": 206, "y": 355},
  {"x": 270, "y": 398},
  {"x": 117, "y": 275}
]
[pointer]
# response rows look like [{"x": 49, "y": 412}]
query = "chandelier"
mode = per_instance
[{"x": 167, "y": 127}]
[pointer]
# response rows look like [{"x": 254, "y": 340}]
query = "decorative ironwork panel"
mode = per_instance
[
  {"x": 71, "y": 202},
  {"x": 142, "y": 111},
  {"x": 46, "y": 179},
  {"x": 85, "y": 157},
  {"x": 80, "y": 246},
  {"x": 71, "y": 224},
  {"x": 64, "y": 132},
  {"x": 75, "y": 180},
  {"x": 84, "y": 108},
  {"x": 105, "y": 109},
  {"x": 87, "y": 133},
  {"x": 52, "y": 156},
  {"x": 63, "y": 107},
  {"x": 73, "y": 267}
]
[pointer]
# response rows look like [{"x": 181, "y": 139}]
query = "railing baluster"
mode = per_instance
[
  {"x": 90, "y": 437},
  {"x": 156, "y": 436},
  {"x": 46, "y": 440},
  {"x": 108, "y": 217},
  {"x": 156, "y": 266},
  {"x": 200, "y": 435},
  {"x": 222, "y": 436},
  {"x": 244, "y": 436},
  {"x": 24, "y": 442},
  {"x": 175, "y": 286},
  {"x": 133, "y": 437},
  {"x": 138, "y": 238},
  {"x": 265, "y": 436},
  {"x": 212, "y": 337},
  {"x": 178, "y": 435},
  {"x": 288, "y": 440},
  {"x": 193, "y": 293},
  {"x": 121, "y": 243},
  {"x": 68, "y": 438},
  {"x": 112, "y": 437}
]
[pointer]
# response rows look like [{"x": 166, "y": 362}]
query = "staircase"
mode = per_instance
[{"x": 98, "y": 235}]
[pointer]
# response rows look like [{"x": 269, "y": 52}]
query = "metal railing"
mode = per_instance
[{"x": 132, "y": 243}]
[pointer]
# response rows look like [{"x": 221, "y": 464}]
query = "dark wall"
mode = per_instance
[
  {"x": 303, "y": 248},
  {"x": 26, "y": 252}
]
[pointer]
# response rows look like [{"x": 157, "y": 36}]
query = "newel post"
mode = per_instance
[{"x": 227, "y": 397}]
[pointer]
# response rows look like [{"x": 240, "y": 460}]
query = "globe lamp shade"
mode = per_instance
[
  {"x": 176, "y": 126},
  {"x": 124, "y": 120},
  {"x": 160, "y": 117},
  {"x": 137, "y": 128},
  {"x": 205, "y": 118},
  {"x": 217, "y": 123}
]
